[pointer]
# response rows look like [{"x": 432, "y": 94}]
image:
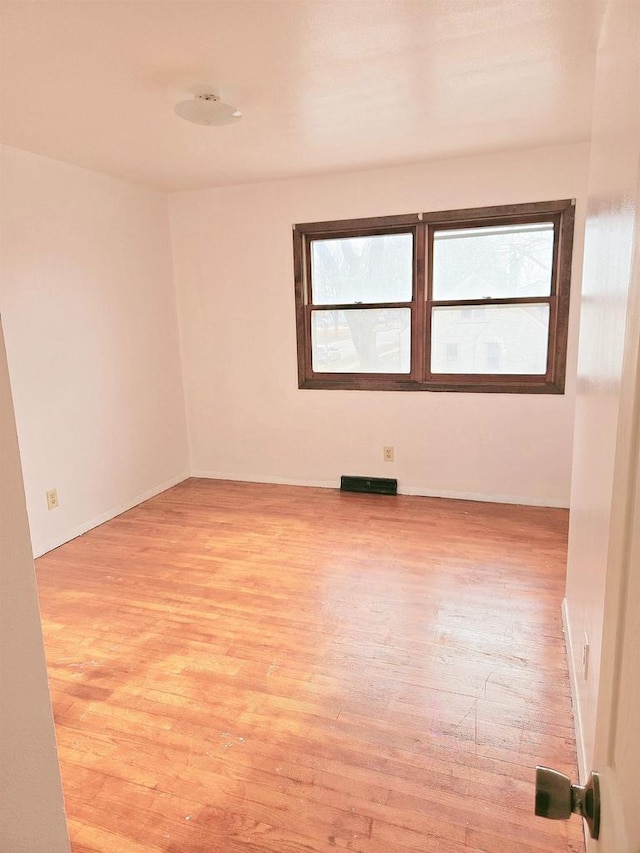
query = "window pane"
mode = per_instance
[
  {"x": 503, "y": 261},
  {"x": 362, "y": 269},
  {"x": 490, "y": 339},
  {"x": 377, "y": 340}
]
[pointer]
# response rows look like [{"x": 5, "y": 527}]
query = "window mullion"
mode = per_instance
[
  {"x": 418, "y": 312},
  {"x": 428, "y": 300}
]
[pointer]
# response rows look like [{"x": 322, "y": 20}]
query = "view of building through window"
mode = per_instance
[{"x": 514, "y": 261}]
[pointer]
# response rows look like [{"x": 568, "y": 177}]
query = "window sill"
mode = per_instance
[{"x": 467, "y": 385}]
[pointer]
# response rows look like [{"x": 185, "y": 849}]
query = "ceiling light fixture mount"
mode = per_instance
[{"x": 207, "y": 109}]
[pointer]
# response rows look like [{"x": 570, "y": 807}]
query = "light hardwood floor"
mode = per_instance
[{"x": 239, "y": 667}]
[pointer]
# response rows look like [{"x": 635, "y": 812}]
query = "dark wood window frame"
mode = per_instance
[{"x": 423, "y": 226}]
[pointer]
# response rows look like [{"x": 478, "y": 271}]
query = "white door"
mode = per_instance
[{"x": 617, "y": 744}]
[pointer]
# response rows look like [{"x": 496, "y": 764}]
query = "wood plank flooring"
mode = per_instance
[{"x": 239, "y": 668}]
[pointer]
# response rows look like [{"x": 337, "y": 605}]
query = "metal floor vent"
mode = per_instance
[{"x": 369, "y": 485}]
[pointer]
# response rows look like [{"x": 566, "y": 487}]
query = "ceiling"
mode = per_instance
[{"x": 324, "y": 85}]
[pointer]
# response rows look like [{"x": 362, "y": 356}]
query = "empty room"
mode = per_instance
[{"x": 320, "y": 426}]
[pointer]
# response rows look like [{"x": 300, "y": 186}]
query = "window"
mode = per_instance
[{"x": 466, "y": 300}]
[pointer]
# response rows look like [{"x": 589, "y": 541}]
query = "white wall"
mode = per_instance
[
  {"x": 89, "y": 311},
  {"x": 31, "y": 808},
  {"x": 247, "y": 417},
  {"x": 611, "y": 221}
]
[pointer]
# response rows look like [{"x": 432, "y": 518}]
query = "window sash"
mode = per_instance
[
  {"x": 342, "y": 346},
  {"x": 534, "y": 331}
]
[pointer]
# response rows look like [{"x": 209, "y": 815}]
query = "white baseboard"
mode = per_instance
[
  {"x": 402, "y": 490},
  {"x": 43, "y": 548},
  {"x": 573, "y": 681},
  {"x": 522, "y": 500}
]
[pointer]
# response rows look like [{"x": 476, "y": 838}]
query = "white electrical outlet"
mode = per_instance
[
  {"x": 387, "y": 454},
  {"x": 585, "y": 657},
  {"x": 52, "y": 498}
]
